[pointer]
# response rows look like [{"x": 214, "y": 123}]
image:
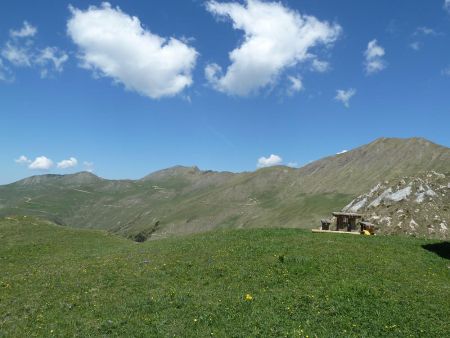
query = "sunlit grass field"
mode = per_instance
[{"x": 58, "y": 281}]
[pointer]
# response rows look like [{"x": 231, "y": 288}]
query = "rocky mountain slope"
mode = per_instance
[
  {"x": 186, "y": 199},
  {"x": 354, "y": 171},
  {"x": 416, "y": 205}
]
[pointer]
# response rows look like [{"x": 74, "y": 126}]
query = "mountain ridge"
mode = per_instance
[
  {"x": 182, "y": 169},
  {"x": 80, "y": 177},
  {"x": 186, "y": 199}
]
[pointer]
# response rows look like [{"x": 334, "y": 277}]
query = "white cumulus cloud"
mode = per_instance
[
  {"x": 41, "y": 163},
  {"x": 26, "y": 31},
  {"x": 269, "y": 161},
  {"x": 70, "y": 163},
  {"x": 342, "y": 152},
  {"x": 22, "y": 160},
  {"x": 275, "y": 39},
  {"x": 374, "y": 57},
  {"x": 345, "y": 95},
  {"x": 114, "y": 44}
]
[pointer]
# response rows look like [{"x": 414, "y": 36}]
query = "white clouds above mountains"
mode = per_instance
[
  {"x": 345, "y": 95},
  {"x": 270, "y": 161},
  {"x": 22, "y": 160},
  {"x": 20, "y": 51},
  {"x": 275, "y": 38},
  {"x": 374, "y": 58},
  {"x": 41, "y": 163},
  {"x": 116, "y": 45},
  {"x": 45, "y": 163},
  {"x": 70, "y": 163}
]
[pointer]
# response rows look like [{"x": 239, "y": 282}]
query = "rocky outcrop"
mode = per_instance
[{"x": 416, "y": 205}]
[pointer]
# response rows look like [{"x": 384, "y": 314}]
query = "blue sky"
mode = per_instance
[{"x": 84, "y": 86}]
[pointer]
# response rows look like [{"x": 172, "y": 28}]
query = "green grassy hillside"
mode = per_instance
[
  {"x": 184, "y": 200},
  {"x": 59, "y": 281}
]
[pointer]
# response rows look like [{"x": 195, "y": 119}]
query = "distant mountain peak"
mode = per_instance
[
  {"x": 37, "y": 179},
  {"x": 177, "y": 170},
  {"x": 406, "y": 140},
  {"x": 384, "y": 157},
  {"x": 84, "y": 174},
  {"x": 83, "y": 177}
]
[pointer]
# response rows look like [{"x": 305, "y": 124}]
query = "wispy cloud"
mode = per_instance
[
  {"x": 20, "y": 51},
  {"x": 447, "y": 5},
  {"x": 26, "y": 31},
  {"x": 420, "y": 34},
  {"x": 320, "y": 66},
  {"x": 374, "y": 54},
  {"x": 426, "y": 31},
  {"x": 22, "y": 160},
  {"x": 344, "y": 96},
  {"x": 5, "y": 73},
  {"x": 17, "y": 54},
  {"x": 296, "y": 84},
  {"x": 88, "y": 166},
  {"x": 416, "y": 45},
  {"x": 51, "y": 58}
]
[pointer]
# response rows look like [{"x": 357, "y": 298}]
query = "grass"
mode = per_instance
[{"x": 57, "y": 281}]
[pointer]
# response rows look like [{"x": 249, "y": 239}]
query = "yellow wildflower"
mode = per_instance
[{"x": 248, "y": 297}]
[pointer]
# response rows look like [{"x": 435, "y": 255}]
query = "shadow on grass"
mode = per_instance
[{"x": 441, "y": 249}]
